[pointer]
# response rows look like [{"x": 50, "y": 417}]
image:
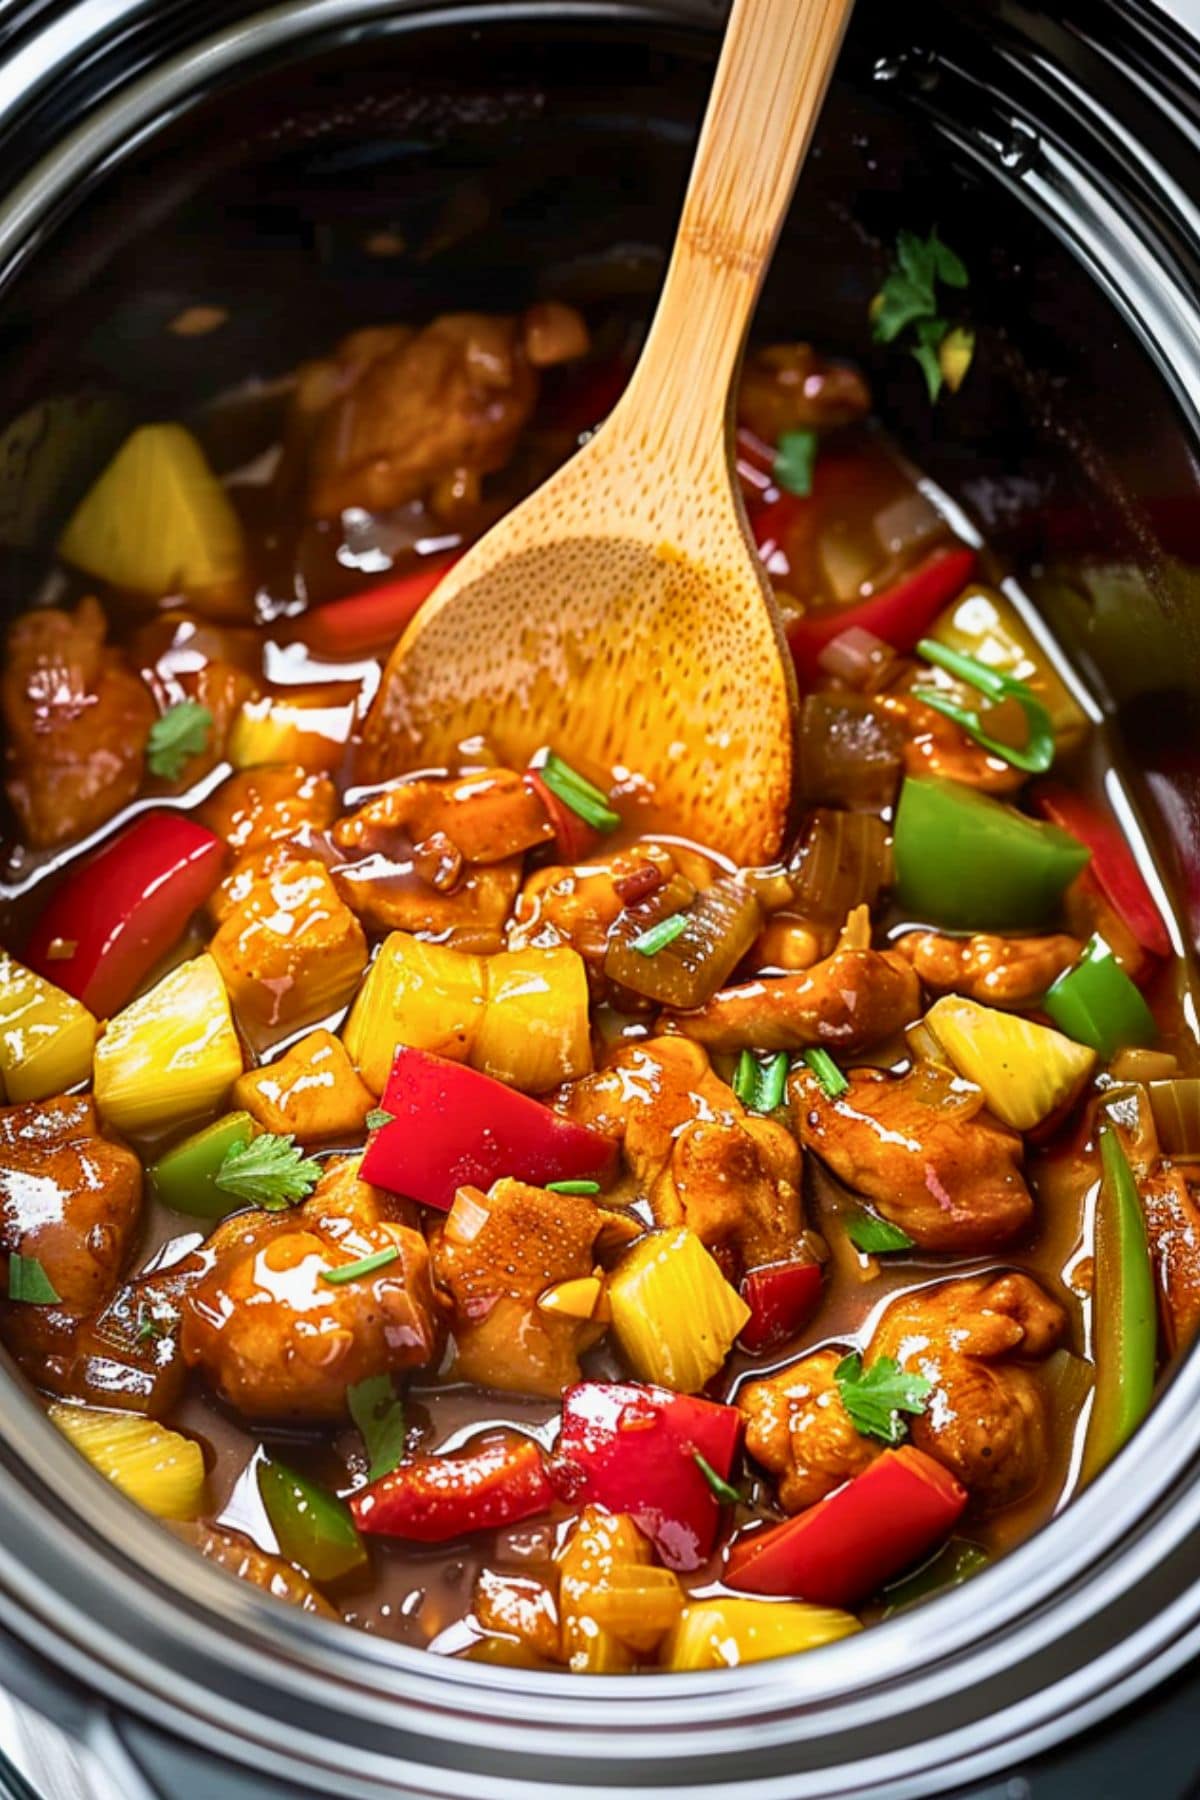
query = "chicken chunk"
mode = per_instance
[
  {"x": 76, "y": 718},
  {"x": 996, "y": 970},
  {"x": 425, "y": 413},
  {"x": 851, "y": 1000},
  {"x": 275, "y": 1336},
  {"x": 527, "y": 1241},
  {"x": 291, "y": 952},
  {"x": 986, "y": 1420},
  {"x": 269, "y": 805},
  {"x": 313, "y": 1091},
  {"x": 488, "y": 817},
  {"x": 693, "y": 1150},
  {"x": 1173, "y": 1226},
  {"x": 71, "y": 1199},
  {"x": 577, "y": 905},
  {"x": 789, "y": 387},
  {"x": 936, "y": 745},
  {"x": 235, "y": 1553},
  {"x": 951, "y": 1179}
]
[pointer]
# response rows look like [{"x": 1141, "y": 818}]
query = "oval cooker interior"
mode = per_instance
[{"x": 543, "y": 153}]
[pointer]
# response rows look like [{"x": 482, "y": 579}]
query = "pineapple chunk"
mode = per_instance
[
  {"x": 313, "y": 1092},
  {"x": 159, "y": 1469},
  {"x": 158, "y": 521},
  {"x": 308, "y": 730},
  {"x": 291, "y": 952},
  {"x": 674, "y": 1314},
  {"x": 46, "y": 1036},
  {"x": 423, "y": 995},
  {"x": 1026, "y": 1071},
  {"x": 603, "y": 1546},
  {"x": 170, "y": 1055},
  {"x": 535, "y": 1031},
  {"x": 722, "y": 1634}
]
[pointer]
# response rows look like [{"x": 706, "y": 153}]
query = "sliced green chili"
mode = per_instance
[
  {"x": 1126, "y": 1329},
  {"x": 366, "y": 1265},
  {"x": 1038, "y": 753},
  {"x": 573, "y": 1187},
  {"x": 185, "y": 1178},
  {"x": 312, "y": 1526},
  {"x": 580, "y": 794}
]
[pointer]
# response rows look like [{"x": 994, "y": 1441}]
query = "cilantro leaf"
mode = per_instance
[
  {"x": 268, "y": 1170},
  {"x": 28, "y": 1281},
  {"x": 907, "y": 308},
  {"x": 795, "y": 459},
  {"x": 875, "y": 1397},
  {"x": 876, "y": 1237},
  {"x": 180, "y": 733},
  {"x": 378, "y": 1412},
  {"x": 378, "y": 1117}
]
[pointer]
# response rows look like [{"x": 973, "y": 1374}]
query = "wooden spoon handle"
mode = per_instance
[{"x": 775, "y": 66}]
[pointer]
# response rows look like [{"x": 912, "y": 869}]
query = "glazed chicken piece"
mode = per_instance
[
  {"x": 694, "y": 1151},
  {"x": 851, "y": 1000},
  {"x": 949, "y": 1177},
  {"x": 313, "y": 1091},
  {"x": 399, "y": 415},
  {"x": 986, "y": 1420},
  {"x": 235, "y": 1553},
  {"x": 789, "y": 387},
  {"x": 996, "y": 970},
  {"x": 440, "y": 856},
  {"x": 76, "y": 719},
  {"x": 71, "y": 1199},
  {"x": 291, "y": 951},
  {"x": 527, "y": 1242},
  {"x": 271, "y": 817},
  {"x": 936, "y": 745},
  {"x": 577, "y": 905},
  {"x": 1173, "y": 1227},
  {"x": 277, "y": 1339}
]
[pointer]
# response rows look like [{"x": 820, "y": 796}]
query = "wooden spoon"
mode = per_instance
[{"x": 620, "y": 614}]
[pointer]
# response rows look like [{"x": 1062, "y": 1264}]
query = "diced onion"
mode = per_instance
[
  {"x": 1176, "y": 1109},
  {"x": 857, "y": 657},
  {"x": 844, "y": 861}
]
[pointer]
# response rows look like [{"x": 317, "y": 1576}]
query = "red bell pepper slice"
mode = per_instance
[
  {"x": 843, "y": 1550},
  {"x": 124, "y": 908},
  {"x": 574, "y": 838},
  {"x": 1113, "y": 862},
  {"x": 432, "y": 1499},
  {"x": 782, "y": 1298},
  {"x": 375, "y": 619},
  {"x": 900, "y": 615},
  {"x": 632, "y": 1448},
  {"x": 453, "y": 1127}
]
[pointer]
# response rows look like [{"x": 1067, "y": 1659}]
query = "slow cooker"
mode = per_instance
[{"x": 158, "y": 154}]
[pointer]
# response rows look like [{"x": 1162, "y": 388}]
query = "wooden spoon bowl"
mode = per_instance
[{"x": 620, "y": 614}]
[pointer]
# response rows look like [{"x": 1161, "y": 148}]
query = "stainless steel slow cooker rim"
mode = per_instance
[{"x": 475, "y": 1699}]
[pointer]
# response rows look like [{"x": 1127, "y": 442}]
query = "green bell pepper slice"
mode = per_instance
[
  {"x": 954, "y": 1563},
  {"x": 971, "y": 863},
  {"x": 1126, "y": 1323},
  {"x": 1038, "y": 752},
  {"x": 1096, "y": 1003},
  {"x": 312, "y": 1526},
  {"x": 185, "y": 1179}
]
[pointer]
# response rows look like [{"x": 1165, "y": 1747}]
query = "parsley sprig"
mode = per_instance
[
  {"x": 908, "y": 310},
  {"x": 269, "y": 1170},
  {"x": 876, "y": 1397},
  {"x": 180, "y": 733}
]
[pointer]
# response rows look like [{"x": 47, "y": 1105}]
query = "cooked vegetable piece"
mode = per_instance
[
  {"x": 1176, "y": 1107},
  {"x": 845, "y": 1548},
  {"x": 577, "y": 793},
  {"x": 432, "y": 1499},
  {"x": 161, "y": 1470},
  {"x": 982, "y": 624},
  {"x": 452, "y": 1127},
  {"x": 28, "y": 1282},
  {"x": 119, "y": 912},
  {"x": 1113, "y": 862},
  {"x": 1125, "y": 1313},
  {"x": 312, "y": 1526},
  {"x": 158, "y": 521},
  {"x": 723, "y": 1633},
  {"x": 674, "y": 1314},
  {"x": 899, "y": 615},
  {"x": 604, "y": 1550},
  {"x": 535, "y": 1030},
  {"x": 849, "y": 752},
  {"x": 907, "y": 307},
  {"x": 693, "y": 952},
  {"x": 1097, "y": 1004},
  {"x": 970, "y": 862},
  {"x": 170, "y": 1055},
  {"x": 1035, "y": 755},
  {"x": 760, "y": 1086},
  {"x": 378, "y": 1411},
  {"x": 630, "y": 1448},
  {"x": 185, "y": 1178},
  {"x": 375, "y": 619},
  {"x": 782, "y": 1297},
  {"x": 46, "y": 1036},
  {"x": 1026, "y": 1071},
  {"x": 955, "y": 1563},
  {"x": 844, "y": 861},
  {"x": 308, "y": 729},
  {"x": 832, "y": 1081},
  {"x": 795, "y": 457},
  {"x": 268, "y": 1171},
  {"x": 875, "y": 1237}
]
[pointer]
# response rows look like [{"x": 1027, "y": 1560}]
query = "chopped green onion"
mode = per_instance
[
  {"x": 580, "y": 794},
  {"x": 954, "y": 1563},
  {"x": 378, "y": 1117},
  {"x": 657, "y": 937},
  {"x": 795, "y": 458},
  {"x": 876, "y": 1237},
  {"x": 832, "y": 1081},
  {"x": 29, "y": 1282},
  {"x": 760, "y": 1086},
  {"x": 1038, "y": 753},
  {"x": 745, "y": 1078},
  {"x": 366, "y": 1265},
  {"x": 727, "y": 1495},
  {"x": 573, "y": 1187},
  {"x": 180, "y": 733}
]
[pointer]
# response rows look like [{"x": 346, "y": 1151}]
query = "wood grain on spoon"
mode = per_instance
[{"x": 620, "y": 614}]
